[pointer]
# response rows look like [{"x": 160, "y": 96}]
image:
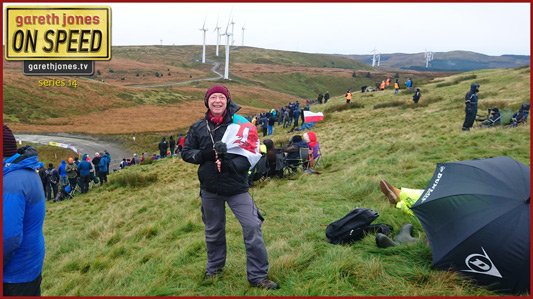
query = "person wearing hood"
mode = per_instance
[
  {"x": 84, "y": 168},
  {"x": 181, "y": 142},
  {"x": 103, "y": 167},
  {"x": 494, "y": 118},
  {"x": 224, "y": 178},
  {"x": 62, "y": 173},
  {"x": 416, "y": 96},
  {"x": 23, "y": 216},
  {"x": 51, "y": 177},
  {"x": 470, "y": 106},
  {"x": 310, "y": 138}
]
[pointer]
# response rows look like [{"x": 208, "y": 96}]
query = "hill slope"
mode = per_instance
[
  {"x": 453, "y": 61},
  {"x": 261, "y": 79},
  {"x": 146, "y": 238}
]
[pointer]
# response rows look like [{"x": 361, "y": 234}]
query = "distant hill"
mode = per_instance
[{"x": 453, "y": 61}]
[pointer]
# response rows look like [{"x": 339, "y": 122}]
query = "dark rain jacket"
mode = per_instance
[
  {"x": 471, "y": 99},
  {"x": 233, "y": 178}
]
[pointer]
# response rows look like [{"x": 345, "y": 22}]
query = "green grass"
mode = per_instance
[{"x": 148, "y": 240}]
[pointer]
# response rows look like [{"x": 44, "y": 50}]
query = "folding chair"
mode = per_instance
[
  {"x": 317, "y": 156},
  {"x": 299, "y": 163}
]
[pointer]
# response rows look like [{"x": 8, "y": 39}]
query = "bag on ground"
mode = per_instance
[{"x": 352, "y": 227}]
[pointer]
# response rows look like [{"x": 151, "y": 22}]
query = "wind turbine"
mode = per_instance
[
  {"x": 373, "y": 57},
  {"x": 204, "y": 30},
  {"x": 226, "y": 66},
  {"x": 428, "y": 56},
  {"x": 218, "y": 36},
  {"x": 243, "y": 34},
  {"x": 379, "y": 58},
  {"x": 232, "y": 32}
]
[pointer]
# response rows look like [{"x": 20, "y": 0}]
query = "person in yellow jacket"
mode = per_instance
[
  {"x": 396, "y": 86},
  {"x": 402, "y": 198},
  {"x": 348, "y": 96},
  {"x": 382, "y": 86}
]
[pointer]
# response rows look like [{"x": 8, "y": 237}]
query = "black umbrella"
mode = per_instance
[{"x": 476, "y": 217}]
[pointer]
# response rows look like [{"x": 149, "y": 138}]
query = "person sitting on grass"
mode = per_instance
[
  {"x": 402, "y": 198},
  {"x": 494, "y": 118}
]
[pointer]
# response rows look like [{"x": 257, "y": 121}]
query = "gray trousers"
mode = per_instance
[{"x": 246, "y": 212}]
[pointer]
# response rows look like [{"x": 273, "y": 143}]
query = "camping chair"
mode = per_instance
[
  {"x": 317, "y": 156},
  {"x": 483, "y": 117},
  {"x": 300, "y": 163}
]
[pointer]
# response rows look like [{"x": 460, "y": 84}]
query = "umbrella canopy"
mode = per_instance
[{"x": 476, "y": 217}]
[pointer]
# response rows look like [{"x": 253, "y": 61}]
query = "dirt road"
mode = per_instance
[{"x": 84, "y": 146}]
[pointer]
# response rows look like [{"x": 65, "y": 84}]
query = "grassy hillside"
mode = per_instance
[
  {"x": 260, "y": 78},
  {"x": 142, "y": 235},
  {"x": 265, "y": 56}
]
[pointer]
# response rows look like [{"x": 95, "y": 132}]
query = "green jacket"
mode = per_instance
[{"x": 71, "y": 170}]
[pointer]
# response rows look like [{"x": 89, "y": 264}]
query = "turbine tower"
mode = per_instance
[
  {"x": 226, "y": 66},
  {"x": 232, "y": 32},
  {"x": 428, "y": 56},
  {"x": 373, "y": 57},
  {"x": 204, "y": 30},
  {"x": 379, "y": 58},
  {"x": 218, "y": 37},
  {"x": 243, "y": 34}
]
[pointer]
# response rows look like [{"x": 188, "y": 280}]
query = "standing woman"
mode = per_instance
[{"x": 224, "y": 178}]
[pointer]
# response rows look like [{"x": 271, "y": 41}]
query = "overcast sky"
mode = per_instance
[{"x": 333, "y": 28}]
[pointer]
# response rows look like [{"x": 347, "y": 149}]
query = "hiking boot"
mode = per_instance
[
  {"x": 383, "y": 241},
  {"x": 212, "y": 274},
  {"x": 266, "y": 284},
  {"x": 392, "y": 193},
  {"x": 404, "y": 234}
]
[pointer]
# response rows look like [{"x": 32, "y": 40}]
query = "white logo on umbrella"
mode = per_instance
[
  {"x": 482, "y": 264},
  {"x": 435, "y": 184}
]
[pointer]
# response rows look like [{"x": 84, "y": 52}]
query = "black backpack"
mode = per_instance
[
  {"x": 354, "y": 226},
  {"x": 49, "y": 174}
]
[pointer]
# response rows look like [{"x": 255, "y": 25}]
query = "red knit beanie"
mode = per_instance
[
  {"x": 10, "y": 144},
  {"x": 214, "y": 89}
]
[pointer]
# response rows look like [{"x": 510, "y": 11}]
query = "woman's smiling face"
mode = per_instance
[{"x": 217, "y": 103}]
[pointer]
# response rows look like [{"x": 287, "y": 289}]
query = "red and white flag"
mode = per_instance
[
  {"x": 241, "y": 139},
  {"x": 312, "y": 116}
]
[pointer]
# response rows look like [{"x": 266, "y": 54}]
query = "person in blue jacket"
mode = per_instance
[
  {"x": 104, "y": 167},
  {"x": 63, "y": 173},
  {"x": 292, "y": 148},
  {"x": 23, "y": 216},
  {"x": 85, "y": 173}
]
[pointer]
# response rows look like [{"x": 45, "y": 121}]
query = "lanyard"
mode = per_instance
[{"x": 210, "y": 132}]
